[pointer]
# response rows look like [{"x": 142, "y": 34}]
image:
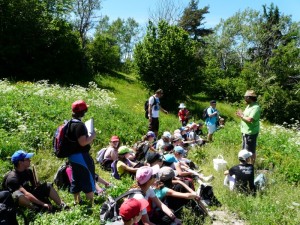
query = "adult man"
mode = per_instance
[
  {"x": 243, "y": 173},
  {"x": 24, "y": 187},
  {"x": 250, "y": 123},
  {"x": 83, "y": 168},
  {"x": 212, "y": 119},
  {"x": 153, "y": 111}
]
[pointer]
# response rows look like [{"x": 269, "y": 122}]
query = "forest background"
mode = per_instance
[{"x": 48, "y": 40}]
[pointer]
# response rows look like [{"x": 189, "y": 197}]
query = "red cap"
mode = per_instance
[
  {"x": 79, "y": 106},
  {"x": 114, "y": 138},
  {"x": 132, "y": 207}
]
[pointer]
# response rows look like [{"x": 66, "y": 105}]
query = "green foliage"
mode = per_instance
[
  {"x": 34, "y": 45},
  {"x": 166, "y": 59}
]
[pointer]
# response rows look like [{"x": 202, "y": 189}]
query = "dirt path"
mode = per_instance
[{"x": 225, "y": 217}]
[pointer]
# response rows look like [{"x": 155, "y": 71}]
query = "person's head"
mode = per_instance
[
  {"x": 166, "y": 175},
  {"x": 154, "y": 158},
  {"x": 159, "y": 93},
  {"x": 182, "y": 106},
  {"x": 21, "y": 158},
  {"x": 178, "y": 151},
  {"x": 115, "y": 142},
  {"x": 150, "y": 136},
  {"x": 166, "y": 136},
  {"x": 250, "y": 96},
  {"x": 183, "y": 130},
  {"x": 131, "y": 209},
  {"x": 177, "y": 139},
  {"x": 123, "y": 152},
  {"x": 168, "y": 148},
  {"x": 79, "y": 108},
  {"x": 213, "y": 103},
  {"x": 146, "y": 175},
  {"x": 244, "y": 156}
]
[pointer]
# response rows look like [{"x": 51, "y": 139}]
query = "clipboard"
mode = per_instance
[{"x": 90, "y": 126}]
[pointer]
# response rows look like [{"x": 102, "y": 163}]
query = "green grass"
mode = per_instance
[{"x": 30, "y": 113}]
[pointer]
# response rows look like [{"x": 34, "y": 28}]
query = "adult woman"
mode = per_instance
[{"x": 83, "y": 168}]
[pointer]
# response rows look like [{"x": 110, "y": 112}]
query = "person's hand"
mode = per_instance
[
  {"x": 47, "y": 206},
  {"x": 239, "y": 113},
  {"x": 166, "y": 112}
]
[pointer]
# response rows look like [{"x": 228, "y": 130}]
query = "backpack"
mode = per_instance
[
  {"x": 208, "y": 197},
  {"x": 62, "y": 145},
  {"x": 61, "y": 178},
  {"x": 141, "y": 149},
  {"x": 109, "y": 210},
  {"x": 146, "y": 106},
  {"x": 205, "y": 114},
  {"x": 7, "y": 209}
]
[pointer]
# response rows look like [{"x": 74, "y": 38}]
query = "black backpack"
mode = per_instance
[
  {"x": 141, "y": 149},
  {"x": 61, "y": 178},
  {"x": 205, "y": 114},
  {"x": 109, "y": 210},
  {"x": 208, "y": 197},
  {"x": 146, "y": 106},
  {"x": 7, "y": 209}
]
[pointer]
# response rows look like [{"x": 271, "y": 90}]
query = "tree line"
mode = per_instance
[{"x": 50, "y": 39}]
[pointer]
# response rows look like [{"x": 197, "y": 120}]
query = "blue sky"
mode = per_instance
[{"x": 139, "y": 9}]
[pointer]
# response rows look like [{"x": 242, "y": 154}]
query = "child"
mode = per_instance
[{"x": 183, "y": 114}]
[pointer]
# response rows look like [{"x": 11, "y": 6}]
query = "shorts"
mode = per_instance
[
  {"x": 249, "y": 142},
  {"x": 154, "y": 125},
  {"x": 83, "y": 174},
  {"x": 41, "y": 192},
  {"x": 211, "y": 128}
]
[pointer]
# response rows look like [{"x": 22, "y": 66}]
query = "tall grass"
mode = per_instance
[{"x": 30, "y": 113}]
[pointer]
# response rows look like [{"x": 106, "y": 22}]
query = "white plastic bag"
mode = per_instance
[{"x": 219, "y": 163}]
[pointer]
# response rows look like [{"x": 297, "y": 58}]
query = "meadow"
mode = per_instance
[{"x": 30, "y": 113}]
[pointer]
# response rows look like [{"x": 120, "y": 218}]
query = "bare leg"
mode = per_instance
[
  {"x": 209, "y": 137},
  {"x": 54, "y": 196},
  {"x": 90, "y": 197},
  {"x": 77, "y": 198}
]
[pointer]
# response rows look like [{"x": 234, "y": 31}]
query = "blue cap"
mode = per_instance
[
  {"x": 20, "y": 155},
  {"x": 170, "y": 158},
  {"x": 179, "y": 149},
  {"x": 150, "y": 134}
]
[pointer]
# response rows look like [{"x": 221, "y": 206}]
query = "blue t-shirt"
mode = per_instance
[{"x": 211, "y": 120}]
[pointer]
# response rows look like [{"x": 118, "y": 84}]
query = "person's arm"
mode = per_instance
[
  {"x": 240, "y": 114},
  {"x": 210, "y": 113},
  {"x": 85, "y": 140},
  {"x": 33, "y": 199},
  {"x": 184, "y": 185},
  {"x": 163, "y": 110},
  {"x": 150, "y": 106},
  {"x": 145, "y": 220},
  {"x": 104, "y": 182},
  {"x": 180, "y": 172},
  {"x": 177, "y": 194},
  {"x": 128, "y": 168}
]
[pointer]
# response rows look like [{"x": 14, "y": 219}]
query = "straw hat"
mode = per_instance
[{"x": 250, "y": 93}]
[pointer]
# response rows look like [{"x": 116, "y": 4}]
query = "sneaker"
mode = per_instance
[
  {"x": 208, "y": 178},
  {"x": 64, "y": 206}
]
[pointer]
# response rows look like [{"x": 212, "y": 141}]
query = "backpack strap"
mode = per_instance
[{"x": 135, "y": 191}]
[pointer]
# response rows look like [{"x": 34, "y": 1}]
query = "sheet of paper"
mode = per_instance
[{"x": 90, "y": 126}]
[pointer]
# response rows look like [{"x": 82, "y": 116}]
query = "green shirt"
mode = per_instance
[{"x": 252, "y": 111}]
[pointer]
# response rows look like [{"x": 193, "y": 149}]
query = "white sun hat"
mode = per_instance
[{"x": 181, "y": 106}]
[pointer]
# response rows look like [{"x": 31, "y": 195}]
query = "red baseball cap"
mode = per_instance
[
  {"x": 114, "y": 138},
  {"x": 79, "y": 106},
  {"x": 132, "y": 207}
]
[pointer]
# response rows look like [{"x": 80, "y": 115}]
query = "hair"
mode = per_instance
[
  {"x": 168, "y": 183},
  {"x": 253, "y": 98},
  {"x": 159, "y": 91},
  {"x": 79, "y": 114},
  {"x": 122, "y": 157},
  {"x": 16, "y": 164}
]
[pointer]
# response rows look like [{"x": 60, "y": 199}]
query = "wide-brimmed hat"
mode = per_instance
[
  {"x": 181, "y": 106},
  {"x": 250, "y": 93}
]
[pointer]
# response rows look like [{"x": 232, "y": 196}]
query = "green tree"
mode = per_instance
[
  {"x": 166, "y": 59},
  {"x": 192, "y": 20}
]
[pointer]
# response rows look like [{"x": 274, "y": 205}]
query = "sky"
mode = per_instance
[{"x": 218, "y": 9}]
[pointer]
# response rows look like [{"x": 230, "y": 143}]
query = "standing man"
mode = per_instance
[
  {"x": 212, "y": 119},
  {"x": 250, "y": 123},
  {"x": 153, "y": 111}
]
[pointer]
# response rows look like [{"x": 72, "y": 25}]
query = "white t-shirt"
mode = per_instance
[{"x": 155, "y": 107}]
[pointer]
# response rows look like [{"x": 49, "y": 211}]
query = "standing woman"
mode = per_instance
[{"x": 83, "y": 168}]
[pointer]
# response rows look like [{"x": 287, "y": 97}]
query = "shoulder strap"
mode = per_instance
[{"x": 136, "y": 191}]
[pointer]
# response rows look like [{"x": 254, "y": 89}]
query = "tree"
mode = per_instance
[
  {"x": 84, "y": 11},
  {"x": 166, "y": 59},
  {"x": 192, "y": 20}
]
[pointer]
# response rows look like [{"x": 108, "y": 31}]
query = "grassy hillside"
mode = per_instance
[{"x": 29, "y": 114}]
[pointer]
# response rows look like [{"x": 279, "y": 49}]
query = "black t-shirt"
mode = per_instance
[
  {"x": 78, "y": 129},
  {"x": 17, "y": 179},
  {"x": 244, "y": 177}
]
